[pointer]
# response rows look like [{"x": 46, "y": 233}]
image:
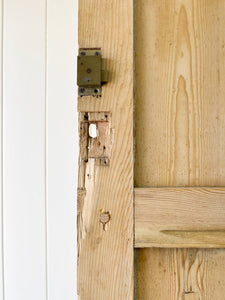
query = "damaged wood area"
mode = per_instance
[
  {"x": 99, "y": 145},
  {"x": 95, "y": 150},
  {"x": 84, "y": 200}
]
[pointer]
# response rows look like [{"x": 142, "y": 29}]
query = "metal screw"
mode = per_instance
[
  {"x": 86, "y": 116},
  {"x": 82, "y": 90}
]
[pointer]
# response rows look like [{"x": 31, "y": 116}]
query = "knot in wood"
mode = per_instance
[{"x": 104, "y": 217}]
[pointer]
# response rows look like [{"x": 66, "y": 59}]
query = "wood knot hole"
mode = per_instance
[{"x": 104, "y": 218}]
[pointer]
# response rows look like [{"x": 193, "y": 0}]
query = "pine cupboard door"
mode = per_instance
[{"x": 151, "y": 190}]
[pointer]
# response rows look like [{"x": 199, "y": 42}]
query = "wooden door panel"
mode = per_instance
[
  {"x": 179, "y": 150},
  {"x": 180, "y": 140},
  {"x": 181, "y": 274},
  {"x": 180, "y": 92}
]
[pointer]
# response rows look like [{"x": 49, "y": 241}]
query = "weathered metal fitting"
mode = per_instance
[
  {"x": 90, "y": 75},
  {"x": 95, "y": 137}
]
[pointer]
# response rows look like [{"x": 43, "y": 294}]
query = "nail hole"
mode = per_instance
[
  {"x": 92, "y": 130},
  {"x": 96, "y": 91}
]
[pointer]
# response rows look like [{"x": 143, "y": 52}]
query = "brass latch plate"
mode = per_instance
[
  {"x": 90, "y": 75},
  {"x": 98, "y": 147}
]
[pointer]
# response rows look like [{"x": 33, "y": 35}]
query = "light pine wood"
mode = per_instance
[
  {"x": 184, "y": 274},
  {"x": 180, "y": 217},
  {"x": 105, "y": 257},
  {"x": 180, "y": 90},
  {"x": 180, "y": 125}
]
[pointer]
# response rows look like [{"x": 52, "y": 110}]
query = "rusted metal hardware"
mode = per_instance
[
  {"x": 90, "y": 75},
  {"x": 95, "y": 143}
]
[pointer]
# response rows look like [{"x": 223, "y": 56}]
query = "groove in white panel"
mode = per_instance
[
  {"x": 46, "y": 147},
  {"x": 2, "y": 288}
]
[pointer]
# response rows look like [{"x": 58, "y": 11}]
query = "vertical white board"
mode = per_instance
[
  {"x": 62, "y": 149},
  {"x": 1, "y": 181},
  {"x": 24, "y": 149}
]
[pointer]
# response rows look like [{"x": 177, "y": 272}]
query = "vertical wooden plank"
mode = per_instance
[
  {"x": 62, "y": 146},
  {"x": 105, "y": 258},
  {"x": 24, "y": 149},
  {"x": 1, "y": 188}
]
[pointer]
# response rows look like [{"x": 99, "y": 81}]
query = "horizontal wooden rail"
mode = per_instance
[{"x": 180, "y": 217}]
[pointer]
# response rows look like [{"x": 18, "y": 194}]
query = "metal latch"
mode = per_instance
[{"x": 90, "y": 75}]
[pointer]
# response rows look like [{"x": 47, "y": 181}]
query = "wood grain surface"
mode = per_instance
[
  {"x": 180, "y": 125},
  {"x": 184, "y": 274},
  {"x": 180, "y": 90},
  {"x": 180, "y": 217},
  {"x": 105, "y": 253}
]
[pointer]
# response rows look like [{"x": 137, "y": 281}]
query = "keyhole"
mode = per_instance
[{"x": 92, "y": 130}]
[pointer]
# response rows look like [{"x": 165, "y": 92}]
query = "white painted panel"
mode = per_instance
[
  {"x": 1, "y": 205},
  {"x": 24, "y": 149},
  {"x": 62, "y": 148}
]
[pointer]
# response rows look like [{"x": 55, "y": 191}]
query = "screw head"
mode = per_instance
[{"x": 81, "y": 90}]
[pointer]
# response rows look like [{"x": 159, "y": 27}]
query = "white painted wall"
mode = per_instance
[{"x": 39, "y": 149}]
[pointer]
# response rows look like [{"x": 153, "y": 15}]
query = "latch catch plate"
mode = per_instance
[{"x": 98, "y": 147}]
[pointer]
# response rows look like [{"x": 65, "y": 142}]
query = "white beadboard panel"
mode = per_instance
[
  {"x": 62, "y": 149},
  {"x": 1, "y": 190},
  {"x": 24, "y": 149}
]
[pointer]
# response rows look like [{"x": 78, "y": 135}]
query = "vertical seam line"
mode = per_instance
[
  {"x": 46, "y": 145},
  {"x": 2, "y": 205}
]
